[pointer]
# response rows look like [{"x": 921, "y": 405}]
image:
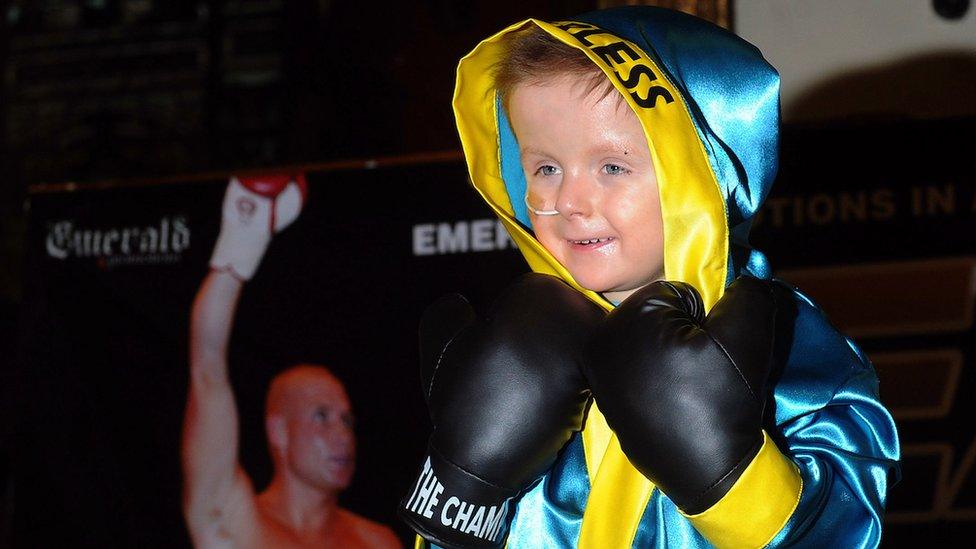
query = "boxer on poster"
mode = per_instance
[
  {"x": 308, "y": 418},
  {"x": 627, "y": 152}
]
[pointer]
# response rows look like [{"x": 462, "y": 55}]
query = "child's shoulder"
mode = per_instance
[{"x": 821, "y": 359}]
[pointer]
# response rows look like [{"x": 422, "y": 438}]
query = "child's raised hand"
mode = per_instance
[{"x": 686, "y": 393}]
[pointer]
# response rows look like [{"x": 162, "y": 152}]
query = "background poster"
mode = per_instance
[
  {"x": 344, "y": 286},
  {"x": 876, "y": 224}
]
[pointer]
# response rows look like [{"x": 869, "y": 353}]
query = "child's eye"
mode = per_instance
[
  {"x": 614, "y": 169},
  {"x": 547, "y": 170}
]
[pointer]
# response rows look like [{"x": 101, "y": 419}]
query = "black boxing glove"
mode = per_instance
[
  {"x": 505, "y": 394},
  {"x": 685, "y": 393}
]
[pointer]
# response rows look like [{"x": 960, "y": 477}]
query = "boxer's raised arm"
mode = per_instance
[
  {"x": 215, "y": 488},
  {"x": 210, "y": 429}
]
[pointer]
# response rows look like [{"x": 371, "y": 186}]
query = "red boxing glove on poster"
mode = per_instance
[{"x": 255, "y": 208}]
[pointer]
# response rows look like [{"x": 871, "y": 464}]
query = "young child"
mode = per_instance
[{"x": 627, "y": 152}]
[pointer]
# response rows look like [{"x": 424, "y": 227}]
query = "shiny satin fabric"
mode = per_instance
[
  {"x": 831, "y": 424},
  {"x": 714, "y": 147}
]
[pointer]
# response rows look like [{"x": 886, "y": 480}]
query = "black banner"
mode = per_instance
[{"x": 112, "y": 277}]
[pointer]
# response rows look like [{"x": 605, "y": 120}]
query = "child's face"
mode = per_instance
[{"x": 589, "y": 154}]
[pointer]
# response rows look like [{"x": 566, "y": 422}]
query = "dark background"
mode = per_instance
[{"x": 115, "y": 113}]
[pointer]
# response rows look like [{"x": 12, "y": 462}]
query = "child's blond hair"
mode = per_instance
[{"x": 535, "y": 57}]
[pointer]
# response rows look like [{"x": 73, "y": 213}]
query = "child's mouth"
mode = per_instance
[{"x": 591, "y": 243}]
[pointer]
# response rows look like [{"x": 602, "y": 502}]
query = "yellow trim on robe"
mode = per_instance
[{"x": 767, "y": 492}]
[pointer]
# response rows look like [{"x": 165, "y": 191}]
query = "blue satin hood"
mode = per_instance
[{"x": 732, "y": 94}]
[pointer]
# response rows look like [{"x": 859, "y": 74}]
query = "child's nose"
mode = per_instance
[{"x": 576, "y": 193}]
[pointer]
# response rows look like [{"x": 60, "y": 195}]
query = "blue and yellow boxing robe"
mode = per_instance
[{"x": 709, "y": 106}]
